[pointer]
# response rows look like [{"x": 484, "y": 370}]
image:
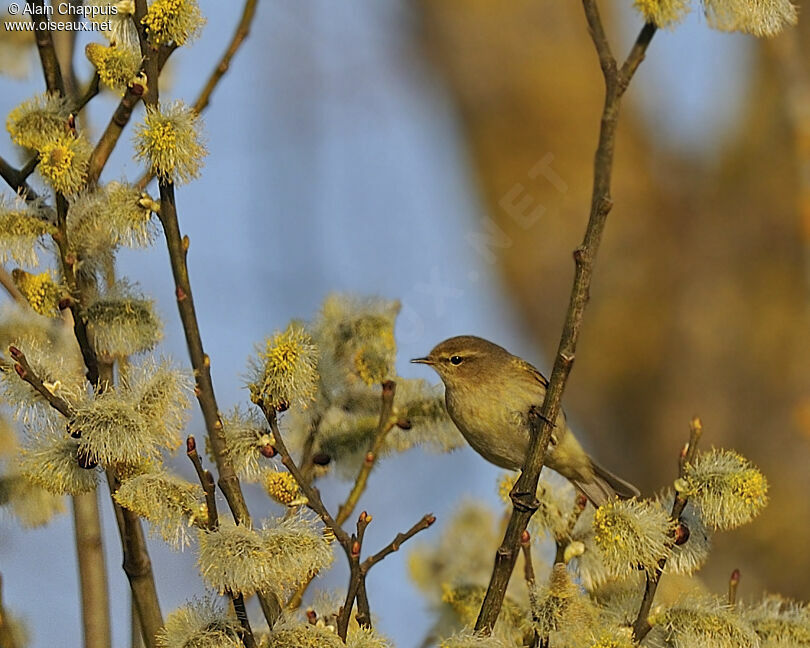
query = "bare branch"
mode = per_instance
[
  {"x": 384, "y": 426},
  {"x": 541, "y": 423},
  {"x": 641, "y": 626},
  {"x": 426, "y": 521}
]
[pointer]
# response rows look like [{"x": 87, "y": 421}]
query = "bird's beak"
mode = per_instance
[{"x": 425, "y": 360}]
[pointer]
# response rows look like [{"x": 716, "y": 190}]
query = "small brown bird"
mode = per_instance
[{"x": 488, "y": 392}]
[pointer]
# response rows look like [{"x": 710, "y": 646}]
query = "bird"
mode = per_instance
[{"x": 488, "y": 394}]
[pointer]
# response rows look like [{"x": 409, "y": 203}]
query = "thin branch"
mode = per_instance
[
  {"x": 356, "y": 580},
  {"x": 136, "y": 563},
  {"x": 207, "y": 483},
  {"x": 25, "y": 372},
  {"x": 641, "y": 626},
  {"x": 7, "y": 282},
  {"x": 92, "y": 571},
  {"x": 312, "y": 494},
  {"x": 541, "y": 423},
  {"x": 239, "y": 36},
  {"x": 177, "y": 246},
  {"x": 137, "y": 566},
  {"x": 47, "y": 53},
  {"x": 384, "y": 426},
  {"x": 120, "y": 118},
  {"x": 401, "y": 538}
]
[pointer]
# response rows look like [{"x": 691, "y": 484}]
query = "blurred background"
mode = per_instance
[{"x": 440, "y": 152}]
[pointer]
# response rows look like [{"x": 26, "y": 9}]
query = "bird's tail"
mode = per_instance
[{"x": 604, "y": 486}]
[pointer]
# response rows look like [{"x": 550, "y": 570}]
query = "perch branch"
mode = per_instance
[
  {"x": 541, "y": 423},
  {"x": 641, "y": 626}
]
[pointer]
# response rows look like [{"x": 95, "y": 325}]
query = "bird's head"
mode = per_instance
[{"x": 465, "y": 360}]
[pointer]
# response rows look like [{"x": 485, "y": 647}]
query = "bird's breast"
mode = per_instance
[{"x": 493, "y": 423}]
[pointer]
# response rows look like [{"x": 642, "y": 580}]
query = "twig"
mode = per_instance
[
  {"x": 239, "y": 36},
  {"x": 641, "y": 626},
  {"x": 207, "y": 483},
  {"x": 356, "y": 580},
  {"x": 200, "y": 362},
  {"x": 384, "y": 426},
  {"x": 47, "y": 53},
  {"x": 92, "y": 571},
  {"x": 25, "y": 372},
  {"x": 541, "y": 423},
  {"x": 77, "y": 291},
  {"x": 120, "y": 118},
  {"x": 397, "y": 542},
  {"x": 10, "y": 287},
  {"x": 137, "y": 566},
  {"x": 312, "y": 494}
]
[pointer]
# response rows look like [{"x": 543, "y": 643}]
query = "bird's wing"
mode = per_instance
[{"x": 534, "y": 372}]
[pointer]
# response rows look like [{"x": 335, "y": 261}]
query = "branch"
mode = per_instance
[
  {"x": 178, "y": 249},
  {"x": 384, "y": 426},
  {"x": 207, "y": 483},
  {"x": 641, "y": 626},
  {"x": 239, "y": 36},
  {"x": 312, "y": 494},
  {"x": 10, "y": 287},
  {"x": 426, "y": 521},
  {"x": 92, "y": 571},
  {"x": 541, "y": 423},
  {"x": 137, "y": 566},
  {"x": 25, "y": 372},
  {"x": 361, "y": 481},
  {"x": 123, "y": 112},
  {"x": 356, "y": 581},
  {"x": 47, "y": 53}
]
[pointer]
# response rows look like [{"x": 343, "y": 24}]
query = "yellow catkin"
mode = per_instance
[{"x": 282, "y": 487}]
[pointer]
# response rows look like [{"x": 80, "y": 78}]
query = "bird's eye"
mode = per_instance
[{"x": 456, "y": 360}]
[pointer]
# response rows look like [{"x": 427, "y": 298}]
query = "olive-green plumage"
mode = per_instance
[{"x": 488, "y": 392}]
